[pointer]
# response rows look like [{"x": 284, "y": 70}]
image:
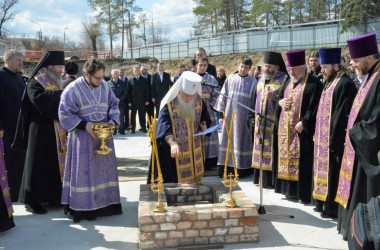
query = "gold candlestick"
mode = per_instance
[
  {"x": 233, "y": 179},
  {"x": 157, "y": 185}
]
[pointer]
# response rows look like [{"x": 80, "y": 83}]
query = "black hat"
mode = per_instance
[
  {"x": 275, "y": 58},
  {"x": 71, "y": 68},
  {"x": 50, "y": 58}
]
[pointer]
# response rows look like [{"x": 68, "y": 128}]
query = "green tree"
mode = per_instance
[
  {"x": 359, "y": 12},
  {"x": 107, "y": 16}
]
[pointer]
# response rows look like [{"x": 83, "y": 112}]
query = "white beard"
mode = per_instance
[{"x": 186, "y": 108}]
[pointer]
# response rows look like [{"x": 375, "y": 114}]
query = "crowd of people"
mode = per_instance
[{"x": 307, "y": 127}]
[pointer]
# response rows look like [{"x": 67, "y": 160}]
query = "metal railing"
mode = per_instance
[{"x": 287, "y": 37}]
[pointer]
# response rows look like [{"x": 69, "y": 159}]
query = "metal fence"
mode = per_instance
[{"x": 300, "y": 36}]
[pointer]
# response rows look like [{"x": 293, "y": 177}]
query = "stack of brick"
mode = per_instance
[{"x": 197, "y": 224}]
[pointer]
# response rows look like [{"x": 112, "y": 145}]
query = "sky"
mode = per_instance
[{"x": 64, "y": 17}]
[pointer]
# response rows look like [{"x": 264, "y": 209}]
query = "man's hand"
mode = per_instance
[
  {"x": 153, "y": 100},
  {"x": 285, "y": 104},
  {"x": 1, "y": 133},
  {"x": 90, "y": 130},
  {"x": 130, "y": 104},
  {"x": 175, "y": 151},
  {"x": 146, "y": 103},
  {"x": 299, "y": 127},
  {"x": 221, "y": 121}
]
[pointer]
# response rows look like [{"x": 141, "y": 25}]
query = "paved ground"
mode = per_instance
[{"x": 55, "y": 231}]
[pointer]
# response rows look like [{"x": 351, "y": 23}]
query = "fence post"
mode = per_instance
[{"x": 233, "y": 42}]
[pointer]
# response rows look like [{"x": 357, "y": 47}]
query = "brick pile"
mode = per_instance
[{"x": 199, "y": 217}]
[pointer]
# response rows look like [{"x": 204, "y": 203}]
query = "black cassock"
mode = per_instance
[
  {"x": 301, "y": 189},
  {"x": 41, "y": 181},
  {"x": 12, "y": 87},
  {"x": 164, "y": 128},
  {"x": 343, "y": 96},
  {"x": 365, "y": 139}
]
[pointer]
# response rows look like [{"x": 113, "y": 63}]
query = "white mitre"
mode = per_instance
[{"x": 189, "y": 83}]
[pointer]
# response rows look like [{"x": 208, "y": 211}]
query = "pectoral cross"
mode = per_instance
[{"x": 194, "y": 85}]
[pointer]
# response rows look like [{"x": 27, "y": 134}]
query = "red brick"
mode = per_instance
[
  {"x": 215, "y": 223},
  {"x": 149, "y": 228},
  {"x": 183, "y": 225},
  {"x": 249, "y": 221},
  {"x": 187, "y": 216},
  {"x": 159, "y": 218},
  {"x": 191, "y": 233},
  {"x": 206, "y": 232},
  {"x": 146, "y": 236}
]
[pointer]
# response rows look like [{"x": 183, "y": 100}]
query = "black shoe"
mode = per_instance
[
  {"x": 317, "y": 209},
  {"x": 77, "y": 219},
  {"x": 133, "y": 132},
  {"x": 122, "y": 132},
  {"x": 140, "y": 129},
  {"x": 144, "y": 130},
  {"x": 35, "y": 209},
  {"x": 305, "y": 201}
]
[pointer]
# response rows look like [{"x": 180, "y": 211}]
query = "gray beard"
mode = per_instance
[
  {"x": 56, "y": 80},
  {"x": 187, "y": 108}
]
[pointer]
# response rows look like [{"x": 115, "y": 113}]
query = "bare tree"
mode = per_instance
[
  {"x": 6, "y": 13},
  {"x": 92, "y": 31}
]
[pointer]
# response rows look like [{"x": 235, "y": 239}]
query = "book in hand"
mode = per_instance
[{"x": 210, "y": 130}]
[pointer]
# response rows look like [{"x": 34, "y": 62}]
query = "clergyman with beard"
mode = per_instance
[
  {"x": 274, "y": 77},
  {"x": 183, "y": 113},
  {"x": 40, "y": 133},
  {"x": 299, "y": 103},
  {"x": 88, "y": 100},
  {"x": 333, "y": 111}
]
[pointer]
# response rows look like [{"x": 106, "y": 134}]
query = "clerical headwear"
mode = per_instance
[
  {"x": 362, "y": 46},
  {"x": 189, "y": 83},
  {"x": 329, "y": 55},
  {"x": 50, "y": 58},
  {"x": 296, "y": 58},
  {"x": 275, "y": 58}
]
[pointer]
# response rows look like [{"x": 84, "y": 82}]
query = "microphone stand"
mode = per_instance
[{"x": 262, "y": 119}]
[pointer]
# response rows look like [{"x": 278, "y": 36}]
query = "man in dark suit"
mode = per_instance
[
  {"x": 150, "y": 106},
  {"x": 119, "y": 87},
  {"x": 71, "y": 69},
  {"x": 138, "y": 98},
  {"x": 201, "y": 53},
  {"x": 160, "y": 85}
]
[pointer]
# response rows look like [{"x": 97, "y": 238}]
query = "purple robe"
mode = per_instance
[
  {"x": 266, "y": 107},
  {"x": 241, "y": 89},
  {"x": 4, "y": 182},
  {"x": 90, "y": 180},
  {"x": 209, "y": 96}
]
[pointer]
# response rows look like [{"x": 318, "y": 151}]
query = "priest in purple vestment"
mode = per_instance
[
  {"x": 209, "y": 95},
  {"x": 90, "y": 186},
  {"x": 334, "y": 107},
  {"x": 267, "y": 96},
  {"x": 239, "y": 87},
  {"x": 299, "y": 103},
  {"x": 359, "y": 178}
]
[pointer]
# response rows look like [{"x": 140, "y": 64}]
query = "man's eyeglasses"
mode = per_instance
[{"x": 97, "y": 78}]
